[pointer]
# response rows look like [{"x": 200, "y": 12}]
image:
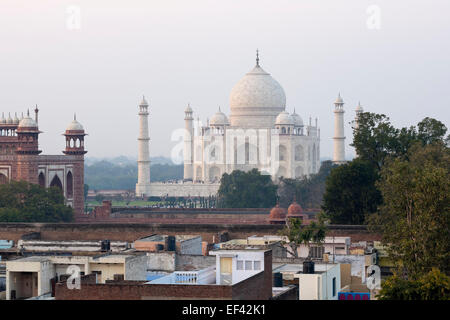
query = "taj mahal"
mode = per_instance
[{"x": 259, "y": 133}]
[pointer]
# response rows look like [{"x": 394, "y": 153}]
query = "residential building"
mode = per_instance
[{"x": 31, "y": 276}]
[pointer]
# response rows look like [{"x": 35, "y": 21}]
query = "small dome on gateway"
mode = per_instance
[
  {"x": 3, "y": 120},
  {"x": 74, "y": 125},
  {"x": 219, "y": 119},
  {"x": 10, "y": 120},
  {"x": 27, "y": 122},
  {"x": 284, "y": 118}
]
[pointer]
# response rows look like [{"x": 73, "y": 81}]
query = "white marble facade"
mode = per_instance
[{"x": 259, "y": 133}]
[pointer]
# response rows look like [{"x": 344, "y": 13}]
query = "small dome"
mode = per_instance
[
  {"x": 74, "y": 126},
  {"x": 277, "y": 213},
  {"x": 188, "y": 109},
  {"x": 16, "y": 120},
  {"x": 10, "y": 120},
  {"x": 284, "y": 118},
  {"x": 27, "y": 122},
  {"x": 298, "y": 121},
  {"x": 219, "y": 119},
  {"x": 294, "y": 210},
  {"x": 3, "y": 120},
  {"x": 339, "y": 99}
]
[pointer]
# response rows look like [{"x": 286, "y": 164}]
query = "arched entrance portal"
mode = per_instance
[
  {"x": 56, "y": 182},
  {"x": 41, "y": 179}
]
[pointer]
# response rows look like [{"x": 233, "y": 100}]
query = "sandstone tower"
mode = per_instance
[
  {"x": 143, "y": 185},
  {"x": 339, "y": 138}
]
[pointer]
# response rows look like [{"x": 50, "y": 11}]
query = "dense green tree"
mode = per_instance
[
  {"x": 25, "y": 202},
  {"x": 430, "y": 131},
  {"x": 350, "y": 193},
  {"x": 374, "y": 138},
  {"x": 434, "y": 285},
  {"x": 308, "y": 191},
  {"x": 246, "y": 190},
  {"x": 415, "y": 215},
  {"x": 298, "y": 233}
]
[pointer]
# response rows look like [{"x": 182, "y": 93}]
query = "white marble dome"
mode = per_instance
[
  {"x": 74, "y": 126},
  {"x": 256, "y": 100},
  {"x": 27, "y": 122},
  {"x": 284, "y": 118},
  {"x": 298, "y": 121},
  {"x": 219, "y": 119}
]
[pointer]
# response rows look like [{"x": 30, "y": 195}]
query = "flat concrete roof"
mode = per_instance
[
  {"x": 31, "y": 259},
  {"x": 298, "y": 268}
]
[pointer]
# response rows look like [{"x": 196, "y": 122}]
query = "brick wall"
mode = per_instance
[
  {"x": 253, "y": 288},
  {"x": 131, "y": 232}
]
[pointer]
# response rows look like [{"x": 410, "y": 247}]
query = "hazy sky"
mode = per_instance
[{"x": 194, "y": 51}]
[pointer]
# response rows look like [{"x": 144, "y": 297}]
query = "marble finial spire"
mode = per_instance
[{"x": 257, "y": 57}]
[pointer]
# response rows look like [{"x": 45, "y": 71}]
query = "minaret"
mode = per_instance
[
  {"x": 74, "y": 184},
  {"x": 143, "y": 185},
  {"x": 188, "y": 144},
  {"x": 339, "y": 138},
  {"x": 28, "y": 149},
  {"x": 359, "y": 109}
]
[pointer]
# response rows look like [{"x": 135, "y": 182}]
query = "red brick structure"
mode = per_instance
[
  {"x": 277, "y": 215},
  {"x": 20, "y": 158},
  {"x": 255, "y": 216},
  {"x": 132, "y": 231},
  {"x": 257, "y": 287}
]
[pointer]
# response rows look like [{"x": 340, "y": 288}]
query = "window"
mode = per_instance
[
  {"x": 317, "y": 252},
  {"x": 257, "y": 265},
  {"x": 248, "y": 265},
  {"x": 240, "y": 265},
  {"x": 334, "y": 286}
]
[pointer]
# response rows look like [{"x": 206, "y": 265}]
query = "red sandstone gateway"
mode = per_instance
[{"x": 20, "y": 158}]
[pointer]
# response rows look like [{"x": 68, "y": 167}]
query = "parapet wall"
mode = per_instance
[{"x": 132, "y": 231}]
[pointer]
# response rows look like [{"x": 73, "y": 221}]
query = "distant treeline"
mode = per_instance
[{"x": 106, "y": 175}]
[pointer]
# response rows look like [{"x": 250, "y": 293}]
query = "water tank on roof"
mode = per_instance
[
  {"x": 106, "y": 245},
  {"x": 277, "y": 279},
  {"x": 170, "y": 243},
  {"x": 308, "y": 267}
]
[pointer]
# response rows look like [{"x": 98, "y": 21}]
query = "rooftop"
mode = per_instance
[{"x": 298, "y": 268}]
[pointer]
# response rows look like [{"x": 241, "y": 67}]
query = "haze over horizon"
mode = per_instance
[{"x": 177, "y": 52}]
